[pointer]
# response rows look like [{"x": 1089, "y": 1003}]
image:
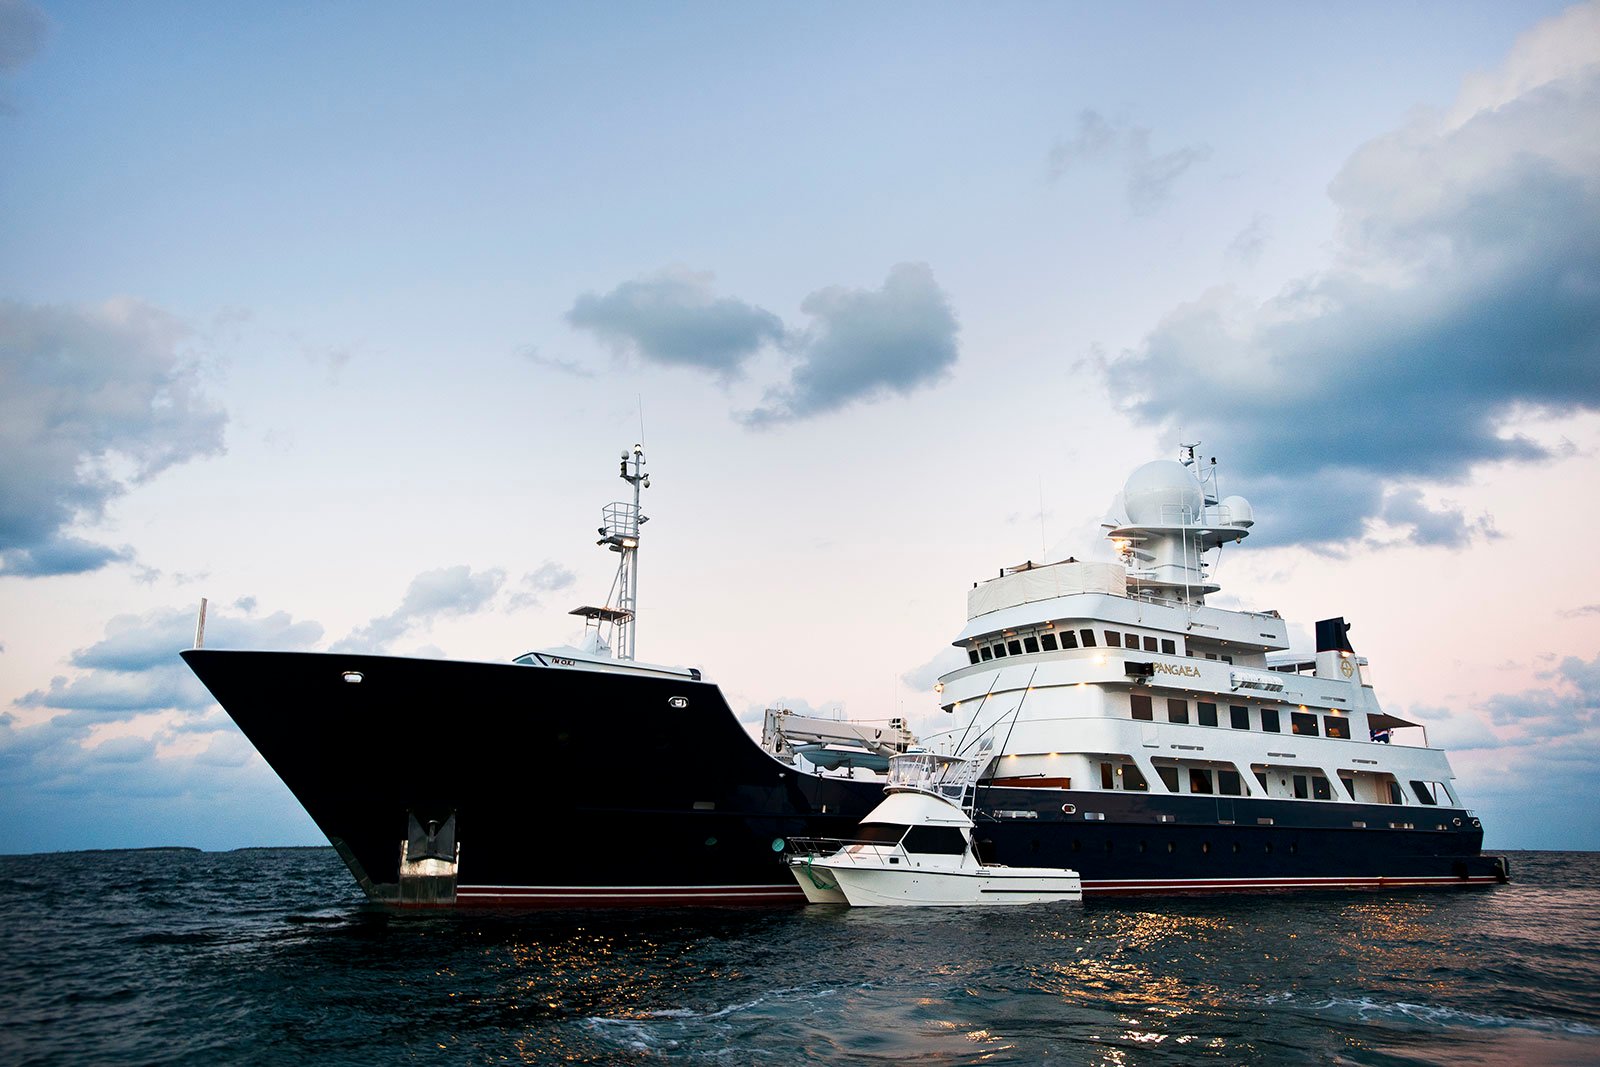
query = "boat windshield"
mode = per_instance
[{"x": 881, "y": 833}]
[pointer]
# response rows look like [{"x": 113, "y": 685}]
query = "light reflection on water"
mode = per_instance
[{"x": 264, "y": 962}]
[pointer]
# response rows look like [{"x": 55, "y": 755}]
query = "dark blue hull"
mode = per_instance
[{"x": 562, "y": 787}]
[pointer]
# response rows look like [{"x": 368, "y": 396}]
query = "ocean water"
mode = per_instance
[{"x": 271, "y": 956}]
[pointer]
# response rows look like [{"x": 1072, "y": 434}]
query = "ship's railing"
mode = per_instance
[
  {"x": 951, "y": 777},
  {"x": 621, "y": 520},
  {"x": 818, "y": 847}
]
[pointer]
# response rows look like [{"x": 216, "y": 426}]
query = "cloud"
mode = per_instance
[
  {"x": 132, "y": 750},
  {"x": 548, "y": 578},
  {"x": 563, "y": 366},
  {"x": 944, "y": 661},
  {"x": 135, "y": 666},
  {"x": 1570, "y": 613},
  {"x": 1148, "y": 177},
  {"x": 22, "y": 31},
  {"x": 1248, "y": 243},
  {"x": 672, "y": 318},
  {"x": 1464, "y": 296},
  {"x": 865, "y": 343},
  {"x": 441, "y": 593},
  {"x": 92, "y": 403}
]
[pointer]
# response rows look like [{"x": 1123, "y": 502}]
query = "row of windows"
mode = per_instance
[
  {"x": 1058, "y": 640},
  {"x": 1300, "y": 722},
  {"x": 1227, "y": 782}
]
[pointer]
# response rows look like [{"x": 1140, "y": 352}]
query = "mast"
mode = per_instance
[{"x": 621, "y": 534}]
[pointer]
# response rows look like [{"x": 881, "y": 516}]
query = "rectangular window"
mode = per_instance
[
  {"x": 1269, "y": 720},
  {"x": 1048, "y": 642},
  {"x": 1133, "y": 640},
  {"x": 1303, "y": 722},
  {"x": 1169, "y": 778},
  {"x": 1088, "y": 638},
  {"x": 1349, "y": 786},
  {"x": 1169, "y": 646},
  {"x": 1107, "y": 779},
  {"x": 1319, "y": 788},
  {"x": 1177, "y": 710},
  {"x": 1211, "y": 655},
  {"x": 1261, "y": 776},
  {"x": 986, "y": 653},
  {"x": 1113, "y": 639},
  {"x": 1199, "y": 780},
  {"x": 1149, "y": 644},
  {"x": 1335, "y": 726},
  {"x": 1227, "y": 659},
  {"x": 1132, "y": 779},
  {"x": 1208, "y": 713},
  {"x": 1141, "y": 707},
  {"x": 1228, "y": 784},
  {"x": 1424, "y": 792},
  {"x": 999, "y": 651},
  {"x": 1239, "y": 716},
  {"x": 1302, "y": 788},
  {"x": 1014, "y": 647},
  {"x": 972, "y": 654},
  {"x": 1030, "y": 644},
  {"x": 1069, "y": 639}
]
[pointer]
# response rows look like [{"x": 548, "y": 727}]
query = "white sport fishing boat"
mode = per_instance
[{"x": 915, "y": 849}]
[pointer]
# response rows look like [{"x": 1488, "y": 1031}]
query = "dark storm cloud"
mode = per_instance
[
  {"x": 441, "y": 593},
  {"x": 92, "y": 402},
  {"x": 1468, "y": 295},
  {"x": 1569, "y": 706},
  {"x": 1148, "y": 176},
  {"x": 674, "y": 319},
  {"x": 866, "y": 343}
]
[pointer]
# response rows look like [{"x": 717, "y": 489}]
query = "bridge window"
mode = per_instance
[
  {"x": 1000, "y": 651},
  {"x": 1133, "y": 640},
  {"x": 1177, "y": 710},
  {"x": 985, "y": 653},
  {"x": 1149, "y": 644},
  {"x": 1239, "y": 716},
  {"x": 972, "y": 654},
  {"x": 936, "y": 840},
  {"x": 1269, "y": 720},
  {"x": 1141, "y": 707},
  {"x": 1113, "y": 639},
  {"x": 1014, "y": 647},
  {"x": 1208, "y": 713},
  {"x": 881, "y": 833},
  {"x": 1088, "y": 638},
  {"x": 1336, "y": 726},
  {"x": 1069, "y": 639},
  {"x": 1048, "y": 642},
  {"x": 1229, "y": 785},
  {"x": 1301, "y": 722},
  {"x": 1030, "y": 644},
  {"x": 1169, "y": 646}
]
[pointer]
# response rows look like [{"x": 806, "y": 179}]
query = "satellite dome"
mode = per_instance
[
  {"x": 1162, "y": 493},
  {"x": 1239, "y": 511}
]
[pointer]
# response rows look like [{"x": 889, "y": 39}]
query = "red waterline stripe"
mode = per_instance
[
  {"x": 705, "y": 894},
  {"x": 1209, "y": 885}
]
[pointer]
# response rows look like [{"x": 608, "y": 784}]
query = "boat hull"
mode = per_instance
[
  {"x": 887, "y": 887},
  {"x": 457, "y": 783}
]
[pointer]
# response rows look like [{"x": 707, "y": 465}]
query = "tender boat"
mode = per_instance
[{"x": 915, "y": 850}]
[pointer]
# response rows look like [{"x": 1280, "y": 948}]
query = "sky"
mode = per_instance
[{"x": 340, "y": 315}]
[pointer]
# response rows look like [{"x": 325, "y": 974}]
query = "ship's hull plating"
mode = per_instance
[{"x": 580, "y": 788}]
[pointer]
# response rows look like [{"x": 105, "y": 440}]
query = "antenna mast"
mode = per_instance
[{"x": 621, "y": 534}]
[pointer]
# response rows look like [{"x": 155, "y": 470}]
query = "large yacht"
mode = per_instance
[{"x": 1127, "y": 730}]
